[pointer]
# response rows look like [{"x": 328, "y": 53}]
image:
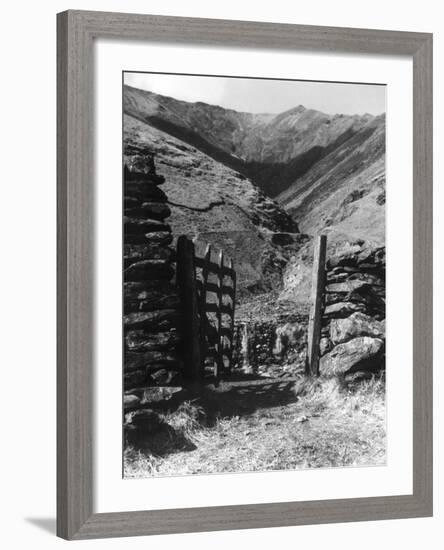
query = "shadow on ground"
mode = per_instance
[
  {"x": 45, "y": 524},
  {"x": 236, "y": 396},
  {"x": 167, "y": 440}
]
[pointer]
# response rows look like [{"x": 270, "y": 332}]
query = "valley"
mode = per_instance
[{"x": 261, "y": 185}]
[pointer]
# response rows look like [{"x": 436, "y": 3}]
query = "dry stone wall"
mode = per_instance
[
  {"x": 353, "y": 325},
  {"x": 353, "y": 332},
  {"x": 271, "y": 345},
  {"x": 152, "y": 316}
]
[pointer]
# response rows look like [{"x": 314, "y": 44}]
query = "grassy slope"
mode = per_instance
[
  {"x": 274, "y": 426},
  {"x": 273, "y": 150},
  {"x": 343, "y": 193},
  {"x": 212, "y": 203}
]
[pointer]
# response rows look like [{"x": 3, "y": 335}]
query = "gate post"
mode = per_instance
[
  {"x": 220, "y": 339},
  {"x": 317, "y": 298},
  {"x": 186, "y": 282}
]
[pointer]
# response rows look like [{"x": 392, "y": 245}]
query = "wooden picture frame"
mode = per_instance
[{"x": 77, "y": 31}]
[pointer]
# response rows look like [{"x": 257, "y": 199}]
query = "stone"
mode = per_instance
[
  {"x": 153, "y": 210},
  {"x": 176, "y": 364},
  {"x": 153, "y": 300},
  {"x": 140, "y": 165},
  {"x": 287, "y": 336},
  {"x": 144, "y": 421},
  {"x": 130, "y": 401},
  {"x": 161, "y": 238},
  {"x": 337, "y": 277},
  {"x": 358, "y": 255},
  {"x": 362, "y": 353},
  {"x": 160, "y": 377},
  {"x": 166, "y": 377},
  {"x": 369, "y": 278},
  {"x": 152, "y": 320},
  {"x": 135, "y": 252},
  {"x": 141, "y": 340},
  {"x": 371, "y": 302},
  {"x": 143, "y": 226},
  {"x": 342, "y": 269},
  {"x": 149, "y": 269},
  {"x": 153, "y": 303},
  {"x": 140, "y": 185},
  {"x": 156, "y": 394},
  {"x": 130, "y": 202},
  {"x": 145, "y": 193},
  {"x": 335, "y": 298},
  {"x": 150, "y": 360},
  {"x": 170, "y": 301},
  {"x": 342, "y": 309},
  {"x": 325, "y": 345},
  {"x": 135, "y": 379},
  {"x": 176, "y": 378},
  {"x": 358, "y": 324},
  {"x": 346, "y": 286},
  {"x": 143, "y": 290}
]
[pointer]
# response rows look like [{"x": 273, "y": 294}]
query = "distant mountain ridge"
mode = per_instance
[
  {"x": 261, "y": 185},
  {"x": 273, "y": 150}
]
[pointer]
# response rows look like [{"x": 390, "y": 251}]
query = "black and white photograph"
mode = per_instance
[{"x": 254, "y": 262}]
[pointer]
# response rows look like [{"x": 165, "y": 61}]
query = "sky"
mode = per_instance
[{"x": 265, "y": 96}]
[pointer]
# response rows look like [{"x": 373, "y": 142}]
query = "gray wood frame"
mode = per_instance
[{"x": 76, "y": 33}]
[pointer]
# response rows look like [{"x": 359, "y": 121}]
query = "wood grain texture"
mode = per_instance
[
  {"x": 423, "y": 274},
  {"x": 76, "y": 32},
  {"x": 186, "y": 279},
  {"x": 75, "y": 277},
  {"x": 316, "y": 299}
]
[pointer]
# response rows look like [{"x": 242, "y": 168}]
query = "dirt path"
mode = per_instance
[{"x": 253, "y": 425}]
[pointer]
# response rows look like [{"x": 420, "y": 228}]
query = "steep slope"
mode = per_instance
[
  {"x": 345, "y": 191},
  {"x": 343, "y": 196},
  {"x": 212, "y": 203},
  {"x": 326, "y": 171},
  {"x": 272, "y": 150}
]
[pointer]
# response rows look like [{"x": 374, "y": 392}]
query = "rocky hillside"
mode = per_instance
[
  {"x": 327, "y": 173},
  {"x": 272, "y": 150},
  {"x": 343, "y": 196},
  {"x": 213, "y": 203},
  {"x": 346, "y": 189}
]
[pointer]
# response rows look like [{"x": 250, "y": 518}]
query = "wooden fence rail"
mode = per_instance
[{"x": 208, "y": 289}]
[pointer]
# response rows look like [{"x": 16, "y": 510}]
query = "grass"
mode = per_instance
[{"x": 274, "y": 426}]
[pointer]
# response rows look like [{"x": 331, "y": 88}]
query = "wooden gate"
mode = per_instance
[{"x": 207, "y": 284}]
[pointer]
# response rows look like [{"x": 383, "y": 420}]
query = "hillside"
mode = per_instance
[
  {"x": 342, "y": 196},
  {"x": 326, "y": 174},
  {"x": 346, "y": 189},
  {"x": 272, "y": 150},
  {"x": 212, "y": 203},
  {"x": 260, "y": 187}
]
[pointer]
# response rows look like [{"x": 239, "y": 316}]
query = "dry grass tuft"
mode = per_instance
[{"x": 327, "y": 423}]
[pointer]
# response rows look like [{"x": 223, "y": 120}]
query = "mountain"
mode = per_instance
[
  {"x": 271, "y": 150},
  {"x": 346, "y": 189},
  {"x": 223, "y": 168},
  {"x": 212, "y": 203}
]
